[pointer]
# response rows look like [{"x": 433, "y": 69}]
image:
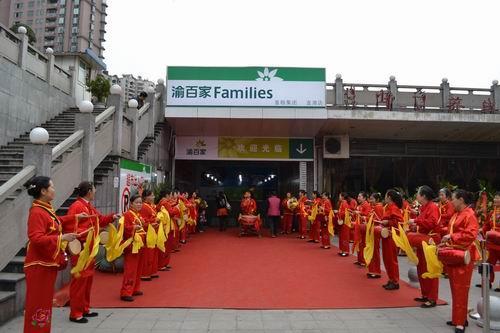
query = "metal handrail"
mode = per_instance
[
  {"x": 16, "y": 182},
  {"x": 104, "y": 115},
  {"x": 67, "y": 144}
]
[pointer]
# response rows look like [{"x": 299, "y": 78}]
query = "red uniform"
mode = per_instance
[
  {"x": 44, "y": 257},
  {"x": 248, "y": 206},
  {"x": 323, "y": 221},
  {"x": 427, "y": 223},
  {"x": 463, "y": 229},
  {"x": 184, "y": 230},
  {"x": 173, "y": 235},
  {"x": 446, "y": 211},
  {"x": 132, "y": 261},
  {"x": 80, "y": 287},
  {"x": 392, "y": 214},
  {"x": 315, "y": 225},
  {"x": 287, "y": 217},
  {"x": 344, "y": 229},
  {"x": 302, "y": 215},
  {"x": 374, "y": 266},
  {"x": 193, "y": 215},
  {"x": 150, "y": 256},
  {"x": 493, "y": 250},
  {"x": 360, "y": 229}
]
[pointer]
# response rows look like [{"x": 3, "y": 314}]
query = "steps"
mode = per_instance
[
  {"x": 148, "y": 141},
  {"x": 12, "y": 289}
]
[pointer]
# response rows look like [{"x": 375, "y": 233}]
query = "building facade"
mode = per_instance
[
  {"x": 131, "y": 86},
  {"x": 75, "y": 26}
]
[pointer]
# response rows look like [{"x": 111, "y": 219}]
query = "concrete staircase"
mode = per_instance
[{"x": 148, "y": 141}]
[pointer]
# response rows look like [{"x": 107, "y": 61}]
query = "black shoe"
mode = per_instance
[
  {"x": 90, "y": 314},
  {"x": 311, "y": 241},
  {"x": 428, "y": 304},
  {"x": 385, "y": 285},
  {"x": 496, "y": 290},
  {"x": 392, "y": 286},
  {"x": 79, "y": 321},
  {"x": 459, "y": 330},
  {"x": 137, "y": 293},
  {"x": 421, "y": 299},
  {"x": 450, "y": 323},
  {"x": 357, "y": 263},
  {"x": 372, "y": 276},
  {"x": 343, "y": 254},
  {"x": 155, "y": 276},
  {"x": 127, "y": 298},
  {"x": 183, "y": 242},
  {"x": 146, "y": 278}
]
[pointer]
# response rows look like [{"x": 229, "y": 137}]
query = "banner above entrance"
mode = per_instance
[
  {"x": 243, "y": 148},
  {"x": 246, "y": 87}
]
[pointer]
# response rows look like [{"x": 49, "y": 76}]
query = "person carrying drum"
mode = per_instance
[
  {"x": 491, "y": 231},
  {"x": 81, "y": 283}
]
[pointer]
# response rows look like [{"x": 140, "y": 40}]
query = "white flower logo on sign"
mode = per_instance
[{"x": 268, "y": 75}]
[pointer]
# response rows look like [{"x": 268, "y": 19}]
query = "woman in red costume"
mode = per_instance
[
  {"x": 377, "y": 209},
  {"x": 462, "y": 232},
  {"x": 323, "y": 221},
  {"x": 363, "y": 211},
  {"x": 150, "y": 258},
  {"x": 44, "y": 255}
]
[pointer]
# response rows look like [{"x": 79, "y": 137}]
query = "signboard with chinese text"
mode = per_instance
[
  {"x": 243, "y": 148},
  {"x": 133, "y": 177},
  {"x": 246, "y": 87}
]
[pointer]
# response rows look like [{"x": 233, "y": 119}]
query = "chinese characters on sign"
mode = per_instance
[
  {"x": 199, "y": 148},
  {"x": 419, "y": 100},
  {"x": 350, "y": 97},
  {"x": 488, "y": 106},
  {"x": 454, "y": 104},
  {"x": 386, "y": 98}
]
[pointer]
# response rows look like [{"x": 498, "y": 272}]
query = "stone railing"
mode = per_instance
[
  {"x": 412, "y": 98},
  {"x": 16, "y": 49},
  {"x": 77, "y": 157}
]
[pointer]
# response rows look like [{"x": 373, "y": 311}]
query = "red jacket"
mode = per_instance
[
  {"x": 248, "y": 206},
  {"x": 463, "y": 229},
  {"x": 98, "y": 221},
  {"x": 364, "y": 210},
  {"x": 44, "y": 235},
  {"x": 343, "y": 205},
  {"x": 148, "y": 214},
  {"x": 378, "y": 210},
  {"x": 393, "y": 214},
  {"x": 446, "y": 211},
  {"x": 491, "y": 221},
  {"x": 327, "y": 206},
  {"x": 131, "y": 219},
  {"x": 427, "y": 220}
]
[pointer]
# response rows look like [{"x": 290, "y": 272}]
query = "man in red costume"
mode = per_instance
[
  {"x": 344, "y": 208},
  {"x": 491, "y": 225},
  {"x": 374, "y": 271},
  {"x": 462, "y": 232},
  {"x": 81, "y": 285},
  {"x": 326, "y": 208},
  {"x": 426, "y": 224},
  {"x": 248, "y": 206},
  {"x": 362, "y": 212},
  {"x": 288, "y": 212},
  {"x": 302, "y": 214}
]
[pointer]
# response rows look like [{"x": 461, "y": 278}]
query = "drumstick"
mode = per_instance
[{"x": 84, "y": 232}]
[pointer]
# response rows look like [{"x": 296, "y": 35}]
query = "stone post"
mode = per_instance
[
  {"x": 152, "y": 111},
  {"x": 160, "y": 88},
  {"x": 393, "y": 88},
  {"x": 445, "y": 93},
  {"x": 39, "y": 153},
  {"x": 339, "y": 90},
  {"x": 23, "y": 47},
  {"x": 50, "y": 65},
  {"x": 132, "y": 114},
  {"x": 85, "y": 121},
  {"x": 495, "y": 89},
  {"x": 115, "y": 99}
]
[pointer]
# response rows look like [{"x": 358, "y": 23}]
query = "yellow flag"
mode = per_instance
[
  {"x": 406, "y": 219},
  {"x": 402, "y": 242},
  {"x": 164, "y": 217},
  {"x": 370, "y": 241},
  {"x": 434, "y": 266},
  {"x": 347, "y": 218},
  {"x": 83, "y": 257},
  {"x": 110, "y": 244},
  {"x": 182, "y": 209},
  {"x": 137, "y": 243},
  {"x": 95, "y": 250},
  {"x": 151, "y": 237},
  {"x": 161, "y": 239},
  {"x": 314, "y": 212},
  {"x": 331, "y": 228}
]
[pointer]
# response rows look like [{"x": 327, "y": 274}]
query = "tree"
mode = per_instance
[
  {"x": 30, "y": 32},
  {"x": 99, "y": 87}
]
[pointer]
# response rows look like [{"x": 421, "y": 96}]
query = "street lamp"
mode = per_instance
[
  {"x": 39, "y": 136},
  {"x": 115, "y": 89},
  {"x": 86, "y": 107},
  {"x": 132, "y": 103}
]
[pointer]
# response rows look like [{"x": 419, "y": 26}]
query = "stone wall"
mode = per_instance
[{"x": 26, "y": 101}]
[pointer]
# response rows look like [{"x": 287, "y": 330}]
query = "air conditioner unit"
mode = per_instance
[{"x": 336, "y": 146}]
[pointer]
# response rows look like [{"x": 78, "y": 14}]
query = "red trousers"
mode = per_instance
[
  {"x": 149, "y": 262},
  {"x": 344, "y": 238},
  {"x": 428, "y": 287},
  {"x": 302, "y": 226},
  {"x": 493, "y": 257},
  {"x": 361, "y": 229},
  {"x": 374, "y": 266},
  {"x": 390, "y": 255},
  {"x": 182, "y": 234},
  {"x": 79, "y": 290},
  {"x": 131, "y": 273},
  {"x": 459, "y": 277},
  {"x": 314, "y": 232},
  {"x": 325, "y": 235},
  {"x": 287, "y": 223},
  {"x": 164, "y": 258},
  {"x": 39, "y": 294}
]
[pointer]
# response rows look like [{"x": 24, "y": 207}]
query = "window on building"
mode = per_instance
[
  {"x": 76, "y": 11},
  {"x": 19, "y": 5},
  {"x": 18, "y": 15},
  {"x": 75, "y": 20},
  {"x": 60, "y": 30},
  {"x": 29, "y": 22},
  {"x": 31, "y": 4},
  {"x": 62, "y": 11},
  {"x": 30, "y": 13},
  {"x": 73, "y": 48},
  {"x": 74, "y": 30},
  {"x": 61, "y": 20}
]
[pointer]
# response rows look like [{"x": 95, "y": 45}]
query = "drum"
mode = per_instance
[
  {"x": 248, "y": 219},
  {"x": 292, "y": 203},
  {"x": 493, "y": 237},
  {"x": 75, "y": 247},
  {"x": 453, "y": 257},
  {"x": 416, "y": 238},
  {"x": 384, "y": 232},
  {"x": 340, "y": 222},
  {"x": 104, "y": 236}
]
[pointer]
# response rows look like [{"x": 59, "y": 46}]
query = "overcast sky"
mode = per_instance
[{"x": 419, "y": 42}]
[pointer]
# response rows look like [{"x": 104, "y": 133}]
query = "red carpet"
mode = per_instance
[{"x": 221, "y": 270}]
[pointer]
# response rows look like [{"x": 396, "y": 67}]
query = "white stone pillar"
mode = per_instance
[
  {"x": 445, "y": 93},
  {"x": 85, "y": 121},
  {"x": 132, "y": 115},
  {"x": 39, "y": 153},
  {"x": 23, "y": 47},
  {"x": 115, "y": 99},
  {"x": 339, "y": 91}
]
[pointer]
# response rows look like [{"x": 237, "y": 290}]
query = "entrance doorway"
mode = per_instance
[{"x": 235, "y": 177}]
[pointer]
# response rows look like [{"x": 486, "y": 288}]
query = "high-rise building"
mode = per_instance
[
  {"x": 131, "y": 86},
  {"x": 66, "y": 26}
]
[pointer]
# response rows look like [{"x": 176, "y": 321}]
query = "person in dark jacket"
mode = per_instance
[
  {"x": 223, "y": 208},
  {"x": 141, "y": 98}
]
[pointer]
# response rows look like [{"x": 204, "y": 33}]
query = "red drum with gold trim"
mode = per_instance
[
  {"x": 416, "y": 238},
  {"x": 453, "y": 257},
  {"x": 493, "y": 237},
  {"x": 248, "y": 219}
]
